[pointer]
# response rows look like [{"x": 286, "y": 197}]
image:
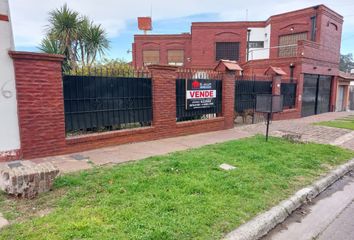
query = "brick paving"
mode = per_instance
[{"x": 308, "y": 131}]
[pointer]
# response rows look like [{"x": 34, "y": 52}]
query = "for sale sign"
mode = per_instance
[{"x": 200, "y": 94}]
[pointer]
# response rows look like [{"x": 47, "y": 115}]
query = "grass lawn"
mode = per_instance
[
  {"x": 183, "y": 195},
  {"x": 346, "y": 123}
]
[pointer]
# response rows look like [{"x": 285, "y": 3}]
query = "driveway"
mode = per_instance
[{"x": 308, "y": 131}]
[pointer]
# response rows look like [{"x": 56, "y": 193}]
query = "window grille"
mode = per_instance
[{"x": 227, "y": 51}]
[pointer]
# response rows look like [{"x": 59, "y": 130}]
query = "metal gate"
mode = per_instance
[
  {"x": 316, "y": 95},
  {"x": 246, "y": 90}
]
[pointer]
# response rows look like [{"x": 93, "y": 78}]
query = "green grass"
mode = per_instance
[
  {"x": 346, "y": 123},
  {"x": 183, "y": 195}
]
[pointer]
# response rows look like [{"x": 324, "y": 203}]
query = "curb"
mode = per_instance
[{"x": 265, "y": 222}]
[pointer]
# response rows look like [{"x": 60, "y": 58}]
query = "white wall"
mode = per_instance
[
  {"x": 9, "y": 130},
  {"x": 260, "y": 34}
]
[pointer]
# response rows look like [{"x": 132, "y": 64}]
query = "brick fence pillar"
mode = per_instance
[
  {"x": 164, "y": 98},
  {"x": 40, "y": 103},
  {"x": 228, "y": 98}
]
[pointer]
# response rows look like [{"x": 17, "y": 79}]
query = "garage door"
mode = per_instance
[{"x": 316, "y": 95}]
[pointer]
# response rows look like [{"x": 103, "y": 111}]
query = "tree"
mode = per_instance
[
  {"x": 346, "y": 62},
  {"x": 52, "y": 46},
  {"x": 75, "y": 36},
  {"x": 92, "y": 42}
]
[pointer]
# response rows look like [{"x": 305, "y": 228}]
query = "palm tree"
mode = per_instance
[
  {"x": 63, "y": 27},
  {"x": 95, "y": 42},
  {"x": 82, "y": 33},
  {"x": 52, "y": 46},
  {"x": 75, "y": 36}
]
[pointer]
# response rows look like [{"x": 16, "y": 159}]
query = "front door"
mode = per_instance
[{"x": 316, "y": 94}]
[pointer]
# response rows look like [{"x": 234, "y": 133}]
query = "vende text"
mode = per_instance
[{"x": 197, "y": 94}]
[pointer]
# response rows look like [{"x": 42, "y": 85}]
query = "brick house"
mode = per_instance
[{"x": 304, "y": 43}]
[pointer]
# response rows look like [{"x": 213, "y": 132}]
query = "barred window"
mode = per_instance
[
  {"x": 284, "y": 41},
  {"x": 175, "y": 57},
  {"x": 256, "y": 44},
  {"x": 151, "y": 57},
  {"x": 227, "y": 51}
]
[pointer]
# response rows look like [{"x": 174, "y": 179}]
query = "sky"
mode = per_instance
[{"x": 119, "y": 18}]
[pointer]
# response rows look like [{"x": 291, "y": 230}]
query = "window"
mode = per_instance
[
  {"x": 287, "y": 44},
  {"x": 151, "y": 57},
  {"x": 175, "y": 57},
  {"x": 256, "y": 44},
  {"x": 227, "y": 50}
]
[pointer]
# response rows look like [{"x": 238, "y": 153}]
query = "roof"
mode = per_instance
[
  {"x": 277, "y": 70},
  {"x": 346, "y": 76},
  {"x": 266, "y": 22},
  {"x": 229, "y": 65}
]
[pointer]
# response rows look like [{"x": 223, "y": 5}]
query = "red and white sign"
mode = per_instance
[{"x": 198, "y": 94}]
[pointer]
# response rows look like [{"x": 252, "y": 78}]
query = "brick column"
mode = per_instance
[
  {"x": 164, "y": 98},
  {"x": 228, "y": 98},
  {"x": 333, "y": 99},
  {"x": 40, "y": 103},
  {"x": 276, "y": 85}
]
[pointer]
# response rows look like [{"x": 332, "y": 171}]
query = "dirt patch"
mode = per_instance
[{"x": 19, "y": 210}]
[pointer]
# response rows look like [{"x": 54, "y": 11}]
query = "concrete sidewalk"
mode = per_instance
[{"x": 136, "y": 151}]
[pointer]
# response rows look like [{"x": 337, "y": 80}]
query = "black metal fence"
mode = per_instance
[
  {"x": 101, "y": 103},
  {"x": 182, "y": 113},
  {"x": 288, "y": 90}
]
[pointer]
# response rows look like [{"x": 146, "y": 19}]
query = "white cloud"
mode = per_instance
[{"x": 30, "y": 17}]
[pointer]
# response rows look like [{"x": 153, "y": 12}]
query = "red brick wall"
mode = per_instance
[
  {"x": 164, "y": 116},
  {"x": 258, "y": 67},
  {"x": 205, "y": 35},
  {"x": 41, "y": 110},
  {"x": 162, "y": 43},
  {"x": 40, "y": 103},
  {"x": 10, "y": 155},
  {"x": 330, "y": 28},
  {"x": 289, "y": 23}
]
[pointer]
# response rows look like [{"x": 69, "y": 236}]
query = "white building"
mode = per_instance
[{"x": 9, "y": 129}]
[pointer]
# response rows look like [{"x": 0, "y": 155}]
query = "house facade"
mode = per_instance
[
  {"x": 9, "y": 129},
  {"x": 304, "y": 43}
]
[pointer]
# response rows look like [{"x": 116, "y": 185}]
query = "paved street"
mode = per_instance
[
  {"x": 342, "y": 227},
  {"x": 329, "y": 217}
]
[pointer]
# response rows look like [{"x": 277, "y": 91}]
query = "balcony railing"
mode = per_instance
[{"x": 304, "y": 49}]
